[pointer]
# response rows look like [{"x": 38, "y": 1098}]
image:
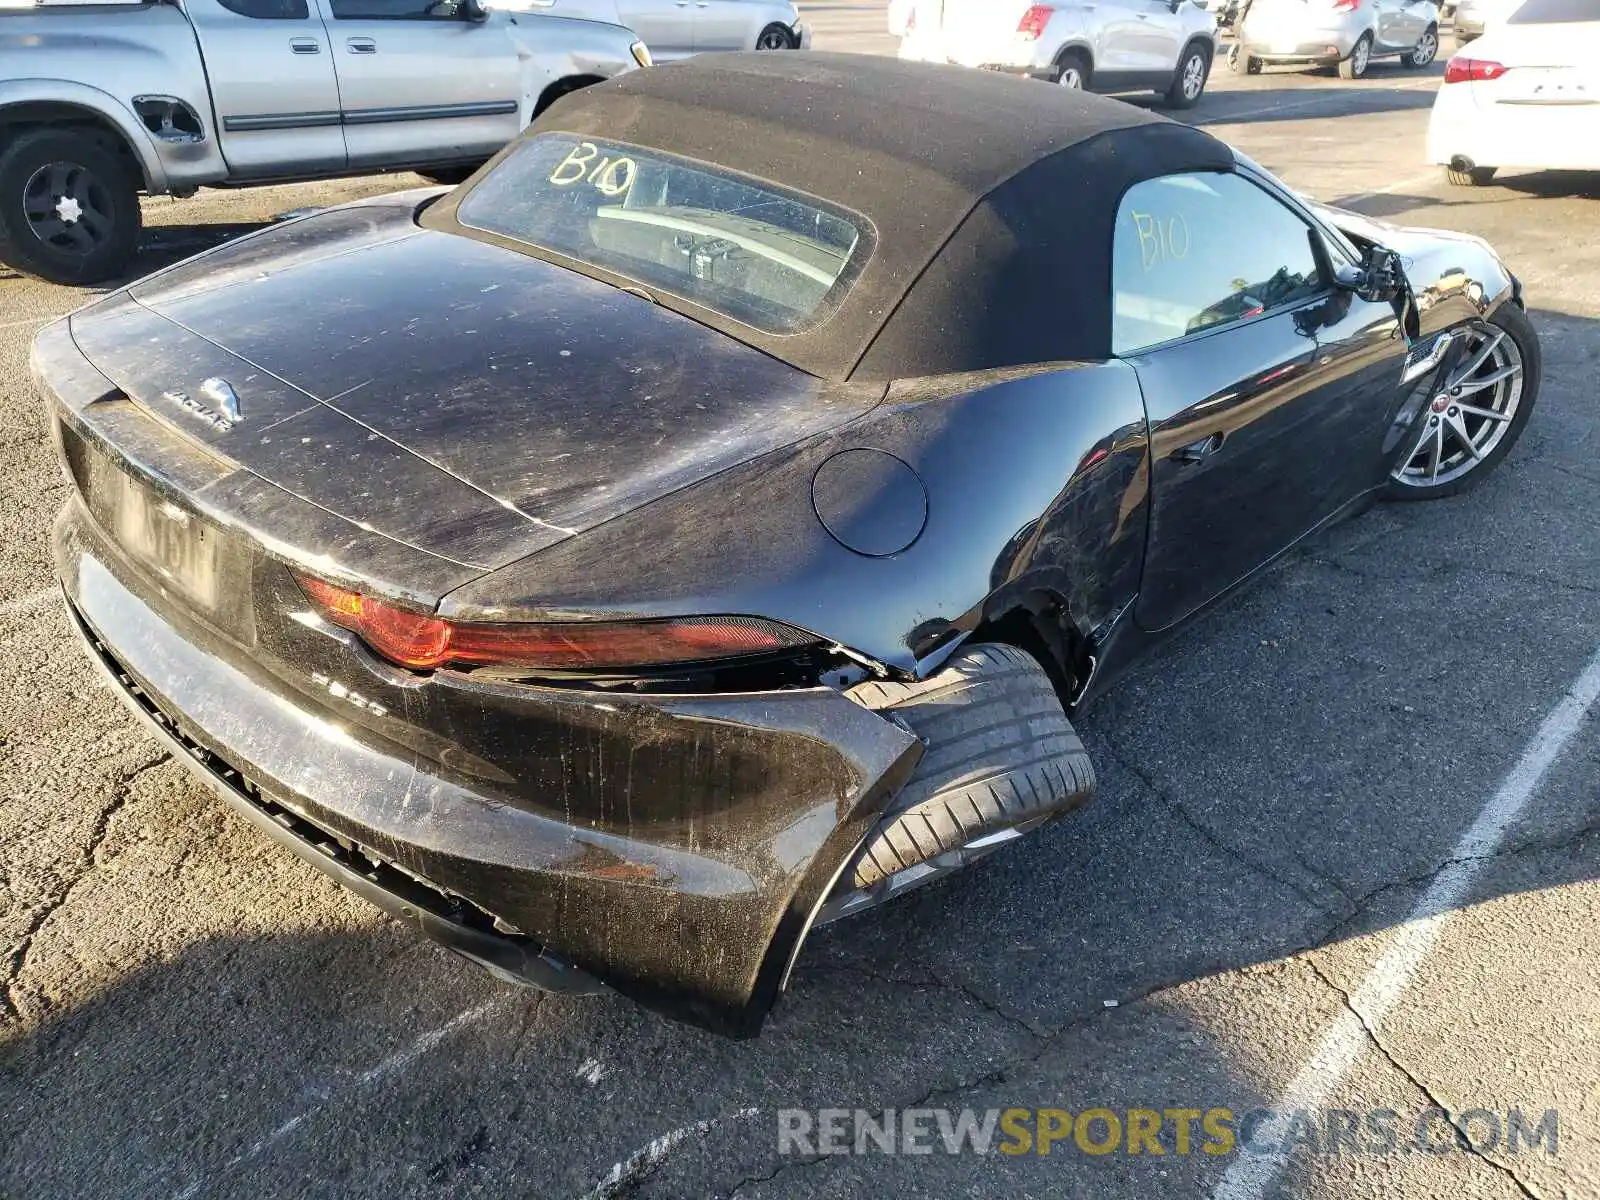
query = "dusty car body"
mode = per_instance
[{"x": 598, "y": 572}]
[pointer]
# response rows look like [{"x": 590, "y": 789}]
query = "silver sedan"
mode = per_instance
[
  {"x": 678, "y": 28},
  {"x": 1348, "y": 34}
]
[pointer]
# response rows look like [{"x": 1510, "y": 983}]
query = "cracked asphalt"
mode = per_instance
[{"x": 189, "y": 1012}]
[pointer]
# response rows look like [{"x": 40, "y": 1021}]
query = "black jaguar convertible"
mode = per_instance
[{"x": 702, "y": 523}]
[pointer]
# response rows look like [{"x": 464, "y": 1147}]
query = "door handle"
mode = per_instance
[
  {"x": 1195, "y": 451},
  {"x": 304, "y": 45},
  {"x": 361, "y": 45}
]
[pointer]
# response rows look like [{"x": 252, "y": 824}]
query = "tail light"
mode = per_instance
[
  {"x": 1461, "y": 69},
  {"x": 424, "y": 642},
  {"x": 1347, "y": 6},
  {"x": 1031, "y": 27},
  {"x": 911, "y": 22}
]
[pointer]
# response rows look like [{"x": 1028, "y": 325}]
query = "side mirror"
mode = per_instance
[
  {"x": 1380, "y": 277},
  {"x": 1174, "y": 5},
  {"x": 472, "y": 10}
]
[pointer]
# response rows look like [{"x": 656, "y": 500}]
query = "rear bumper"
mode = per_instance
[
  {"x": 1553, "y": 137},
  {"x": 694, "y": 902},
  {"x": 1308, "y": 45}
]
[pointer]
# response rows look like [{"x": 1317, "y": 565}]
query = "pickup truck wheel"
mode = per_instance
[{"x": 69, "y": 209}]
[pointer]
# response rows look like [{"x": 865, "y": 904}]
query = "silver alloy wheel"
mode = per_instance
[
  {"x": 1460, "y": 425},
  {"x": 772, "y": 38},
  {"x": 1071, "y": 77},
  {"x": 1359, "y": 57},
  {"x": 68, "y": 208},
  {"x": 1427, "y": 47},
  {"x": 1194, "y": 76}
]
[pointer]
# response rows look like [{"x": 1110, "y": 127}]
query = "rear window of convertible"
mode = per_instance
[{"x": 750, "y": 251}]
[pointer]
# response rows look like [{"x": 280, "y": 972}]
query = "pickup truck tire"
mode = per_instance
[{"x": 69, "y": 208}]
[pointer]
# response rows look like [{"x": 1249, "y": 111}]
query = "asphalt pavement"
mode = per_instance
[{"x": 1344, "y": 862}]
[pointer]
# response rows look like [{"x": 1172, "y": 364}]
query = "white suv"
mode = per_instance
[{"x": 1164, "y": 46}]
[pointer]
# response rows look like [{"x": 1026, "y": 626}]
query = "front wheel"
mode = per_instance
[
  {"x": 776, "y": 37},
  {"x": 69, "y": 208},
  {"x": 1468, "y": 418},
  {"x": 1426, "y": 49},
  {"x": 1189, "y": 80},
  {"x": 1360, "y": 59}
]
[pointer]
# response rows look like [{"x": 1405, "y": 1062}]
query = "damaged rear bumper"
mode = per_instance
[{"x": 687, "y": 897}]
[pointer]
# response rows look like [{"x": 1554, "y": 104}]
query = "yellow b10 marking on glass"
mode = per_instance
[
  {"x": 610, "y": 176},
  {"x": 1160, "y": 241}
]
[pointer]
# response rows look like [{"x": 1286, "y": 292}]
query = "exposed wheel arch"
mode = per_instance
[
  {"x": 16, "y": 119},
  {"x": 562, "y": 87},
  {"x": 1038, "y": 621}
]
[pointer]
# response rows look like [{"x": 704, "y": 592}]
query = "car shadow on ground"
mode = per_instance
[
  {"x": 1292, "y": 770},
  {"x": 1259, "y": 106},
  {"x": 1543, "y": 185}
]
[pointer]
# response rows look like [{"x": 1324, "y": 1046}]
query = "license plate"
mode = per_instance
[
  {"x": 176, "y": 545},
  {"x": 1559, "y": 86}
]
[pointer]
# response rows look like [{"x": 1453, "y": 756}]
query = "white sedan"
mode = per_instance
[
  {"x": 678, "y": 28},
  {"x": 1526, "y": 95}
]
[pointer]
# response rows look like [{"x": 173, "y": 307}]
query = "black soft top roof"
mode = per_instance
[{"x": 992, "y": 198}]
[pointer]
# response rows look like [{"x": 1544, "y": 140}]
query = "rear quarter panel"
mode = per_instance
[{"x": 1036, "y": 486}]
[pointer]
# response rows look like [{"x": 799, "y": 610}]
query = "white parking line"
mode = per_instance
[
  {"x": 1389, "y": 189},
  {"x": 1322, "y": 97},
  {"x": 30, "y": 320},
  {"x": 626, "y": 1175},
  {"x": 1250, "y": 1176},
  {"x": 395, "y": 1063}
]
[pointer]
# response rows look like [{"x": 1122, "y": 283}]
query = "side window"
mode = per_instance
[
  {"x": 396, "y": 10},
  {"x": 1193, "y": 251},
  {"x": 269, "y": 10}
]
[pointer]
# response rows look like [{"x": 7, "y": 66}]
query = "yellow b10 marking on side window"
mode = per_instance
[
  {"x": 1160, "y": 241},
  {"x": 610, "y": 176}
]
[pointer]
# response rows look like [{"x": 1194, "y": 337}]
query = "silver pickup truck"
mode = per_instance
[{"x": 102, "y": 101}]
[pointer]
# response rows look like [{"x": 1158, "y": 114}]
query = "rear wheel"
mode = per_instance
[
  {"x": 1189, "y": 80},
  {"x": 1072, "y": 71},
  {"x": 776, "y": 37},
  {"x": 1468, "y": 421},
  {"x": 1426, "y": 49},
  {"x": 1360, "y": 59},
  {"x": 1002, "y": 759},
  {"x": 1469, "y": 176},
  {"x": 1252, "y": 65},
  {"x": 69, "y": 208}
]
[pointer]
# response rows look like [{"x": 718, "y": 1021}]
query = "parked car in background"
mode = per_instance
[
  {"x": 1474, "y": 18},
  {"x": 1526, "y": 95},
  {"x": 677, "y": 28},
  {"x": 99, "y": 103},
  {"x": 1164, "y": 46},
  {"x": 1348, "y": 34}
]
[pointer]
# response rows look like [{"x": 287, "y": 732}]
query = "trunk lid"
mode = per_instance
[{"x": 469, "y": 401}]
